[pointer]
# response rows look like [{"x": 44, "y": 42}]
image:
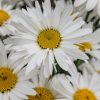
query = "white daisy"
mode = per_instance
[
  {"x": 6, "y": 15},
  {"x": 80, "y": 88},
  {"x": 90, "y": 4},
  {"x": 44, "y": 89},
  {"x": 44, "y": 38},
  {"x": 13, "y": 84},
  {"x": 91, "y": 17},
  {"x": 92, "y": 66},
  {"x": 90, "y": 44}
]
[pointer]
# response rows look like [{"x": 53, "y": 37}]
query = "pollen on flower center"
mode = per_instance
[
  {"x": 42, "y": 94},
  {"x": 85, "y": 46},
  {"x": 4, "y": 16},
  {"x": 8, "y": 79},
  {"x": 84, "y": 94},
  {"x": 49, "y": 38}
]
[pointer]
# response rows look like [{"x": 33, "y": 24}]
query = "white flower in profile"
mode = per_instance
[
  {"x": 90, "y": 4},
  {"x": 13, "y": 83},
  {"x": 45, "y": 38},
  {"x": 6, "y": 15},
  {"x": 91, "y": 66},
  {"x": 90, "y": 44},
  {"x": 81, "y": 87}
]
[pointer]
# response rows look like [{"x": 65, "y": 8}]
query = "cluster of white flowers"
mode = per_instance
[{"x": 50, "y": 53}]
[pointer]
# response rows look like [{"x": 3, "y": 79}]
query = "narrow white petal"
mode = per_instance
[
  {"x": 91, "y": 4},
  {"x": 98, "y": 8},
  {"x": 73, "y": 27},
  {"x": 3, "y": 55},
  {"x": 79, "y": 2},
  {"x": 63, "y": 59}
]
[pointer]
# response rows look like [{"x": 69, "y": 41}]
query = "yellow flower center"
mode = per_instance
[
  {"x": 85, "y": 46},
  {"x": 49, "y": 38},
  {"x": 8, "y": 79},
  {"x": 84, "y": 94},
  {"x": 42, "y": 94},
  {"x": 98, "y": 71},
  {"x": 4, "y": 16}
]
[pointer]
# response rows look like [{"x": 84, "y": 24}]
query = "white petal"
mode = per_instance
[
  {"x": 91, "y": 4},
  {"x": 93, "y": 81},
  {"x": 5, "y": 96},
  {"x": 46, "y": 67},
  {"x": 98, "y": 8},
  {"x": 31, "y": 65},
  {"x": 79, "y": 2},
  {"x": 19, "y": 94},
  {"x": 73, "y": 27},
  {"x": 78, "y": 33},
  {"x": 51, "y": 61},
  {"x": 63, "y": 60},
  {"x": 1, "y": 96},
  {"x": 25, "y": 90},
  {"x": 3, "y": 55},
  {"x": 13, "y": 97}
]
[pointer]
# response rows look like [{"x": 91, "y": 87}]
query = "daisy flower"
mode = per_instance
[
  {"x": 90, "y": 4},
  {"x": 5, "y": 18},
  {"x": 44, "y": 89},
  {"x": 80, "y": 88},
  {"x": 90, "y": 44},
  {"x": 92, "y": 66},
  {"x": 44, "y": 38},
  {"x": 13, "y": 83}
]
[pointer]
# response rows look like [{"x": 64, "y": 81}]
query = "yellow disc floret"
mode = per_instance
[
  {"x": 8, "y": 79},
  {"x": 85, "y": 46},
  {"x": 42, "y": 94},
  {"x": 84, "y": 94},
  {"x": 98, "y": 71},
  {"x": 49, "y": 38},
  {"x": 4, "y": 16}
]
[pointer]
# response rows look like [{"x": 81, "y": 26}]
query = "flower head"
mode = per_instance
[
  {"x": 6, "y": 15},
  {"x": 90, "y": 4},
  {"x": 81, "y": 87},
  {"x": 13, "y": 83},
  {"x": 45, "y": 37}
]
